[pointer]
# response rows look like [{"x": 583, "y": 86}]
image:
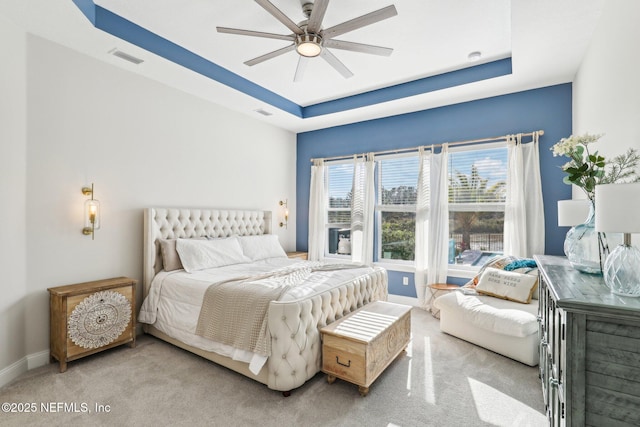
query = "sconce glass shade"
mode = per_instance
[
  {"x": 285, "y": 213},
  {"x": 92, "y": 214},
  {"x": 617, "y": 206}
]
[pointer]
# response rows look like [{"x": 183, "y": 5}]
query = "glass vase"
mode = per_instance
[{"x": 585, "y": 248}]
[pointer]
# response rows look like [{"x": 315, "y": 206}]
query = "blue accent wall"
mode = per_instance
[
  {"x": 547, "y": 108},
  {"x": 428, "y": 84}
]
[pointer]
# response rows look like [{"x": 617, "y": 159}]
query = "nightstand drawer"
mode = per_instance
[{"x": 99, "y": 312}]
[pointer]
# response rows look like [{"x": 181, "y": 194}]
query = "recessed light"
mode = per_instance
[{"x": 474, "y": 56}]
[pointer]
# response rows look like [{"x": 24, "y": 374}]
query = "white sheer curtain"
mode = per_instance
[
  {"x": 524, "y": 209},
  {"x": 317, "y": 211},
  {"x": 438, "y": 243},
  {"x": 422, "y": 223},
  {"x": 432, "y": 221},
  {"x": 362, "y": 209}
]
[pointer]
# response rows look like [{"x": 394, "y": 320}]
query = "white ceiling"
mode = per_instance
[{"x": 546, "y": 40}]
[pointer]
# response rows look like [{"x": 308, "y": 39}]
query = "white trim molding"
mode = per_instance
[
  {"x": 400, "y": 299},
  {"x": 23, "y": 365}
]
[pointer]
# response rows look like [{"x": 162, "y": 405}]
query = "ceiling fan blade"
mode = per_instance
[
  {"x": 359, "y": 22},
  {"x": 277, "y": 13},
  {"x": 270, "y": 55},
  {"x": 303, "y": 61},
  {"x": 255, "y": 33},
  {"x": 335, "y": 63},
  {"x": 358, "y": 47},
  {"x": 317, "y": 15}
]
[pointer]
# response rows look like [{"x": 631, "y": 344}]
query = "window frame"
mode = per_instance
[
  {"x": 474, "y": 207},
  {"x": 380, "y": 208},
  {"x": 457, "y": 270},
  {"x": 330, "y": 225}
]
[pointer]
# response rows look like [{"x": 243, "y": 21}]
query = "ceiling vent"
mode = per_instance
[
  {"x": 263, "y": 112},
  {"x": 126, "y": 56}
]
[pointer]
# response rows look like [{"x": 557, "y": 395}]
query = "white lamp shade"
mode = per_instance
[
  {"x": 572, "y": 212},
  {"x": 618, "y": 208}
]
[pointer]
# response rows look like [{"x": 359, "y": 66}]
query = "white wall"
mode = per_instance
[
  {"x": 606, "y": 91},
  {"x": 13, "y": 143},
  {"x": 142, "y": 144}
]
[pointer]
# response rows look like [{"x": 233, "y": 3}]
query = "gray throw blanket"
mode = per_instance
[{"x": 234, "y": 312}]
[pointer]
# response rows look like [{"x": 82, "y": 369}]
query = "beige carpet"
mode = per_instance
[{"x": 441, "y": 381}]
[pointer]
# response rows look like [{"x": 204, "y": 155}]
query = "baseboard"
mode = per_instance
[
  {"x": 400, "y": 299},
  {"x": 38, "y": 359},
  {"x": 30, "y": 361},
  {"x": 13, "y": 371}
]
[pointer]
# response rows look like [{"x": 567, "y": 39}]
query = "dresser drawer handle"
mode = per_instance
[{"x": 348, "y": 365}]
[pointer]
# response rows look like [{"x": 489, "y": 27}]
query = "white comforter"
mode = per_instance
[{"x": 175, "y": 298}]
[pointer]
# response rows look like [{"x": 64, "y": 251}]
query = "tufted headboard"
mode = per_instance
[{"x": 174, "y": 223}]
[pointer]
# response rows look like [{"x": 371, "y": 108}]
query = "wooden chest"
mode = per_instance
[
  {"x": 86, "y": 318},
  {"x": 358, "y": 347}
]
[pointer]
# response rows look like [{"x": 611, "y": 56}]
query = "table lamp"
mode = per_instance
[
  {"x": 570, "y": 214},
  {"x": 617, "y": 207}
]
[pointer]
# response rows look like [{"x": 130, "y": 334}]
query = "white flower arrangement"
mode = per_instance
[{"x": 586, "y": 169}]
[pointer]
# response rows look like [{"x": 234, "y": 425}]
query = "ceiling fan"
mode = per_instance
[{"x": 309, "y": 39}]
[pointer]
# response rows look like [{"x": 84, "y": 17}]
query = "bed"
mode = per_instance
[{"x": 173, "y": 300}]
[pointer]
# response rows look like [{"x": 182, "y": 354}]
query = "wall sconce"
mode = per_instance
[
  {"x": 91, "y": 213},
  {"x": 283, "y": 203}
]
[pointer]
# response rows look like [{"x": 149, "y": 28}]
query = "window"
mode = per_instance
[
  {"x": 396, "y": 208},
  {"x": 477, "y": 191},
  {"x": 339, "y": 182}
]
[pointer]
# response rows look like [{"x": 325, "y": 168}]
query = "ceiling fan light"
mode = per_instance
[{"x": 309, "y": 45}]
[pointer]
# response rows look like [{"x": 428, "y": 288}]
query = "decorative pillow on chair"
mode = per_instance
[
  {"x": 507, "y": 285},
  {"x": 509, "y": 263}
]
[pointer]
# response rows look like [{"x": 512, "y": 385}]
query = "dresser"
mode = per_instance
[
  {"x": 86, "y": 318},
  {"x": 589, "y": 348}
]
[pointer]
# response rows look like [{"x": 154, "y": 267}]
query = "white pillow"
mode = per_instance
[
  {"x": 261, "y": 247},
  {"x": 170, "y": 257},
  {"x": 507, "y": 285},
  {"x": 200, "y": 254}
]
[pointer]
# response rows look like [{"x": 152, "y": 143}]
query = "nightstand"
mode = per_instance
[
  {"x": 297, "y": 255},
  {"x": 86, "y": 318}
]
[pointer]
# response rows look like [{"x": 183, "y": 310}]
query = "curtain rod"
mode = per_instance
[{"x": 408, "y": 150}]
